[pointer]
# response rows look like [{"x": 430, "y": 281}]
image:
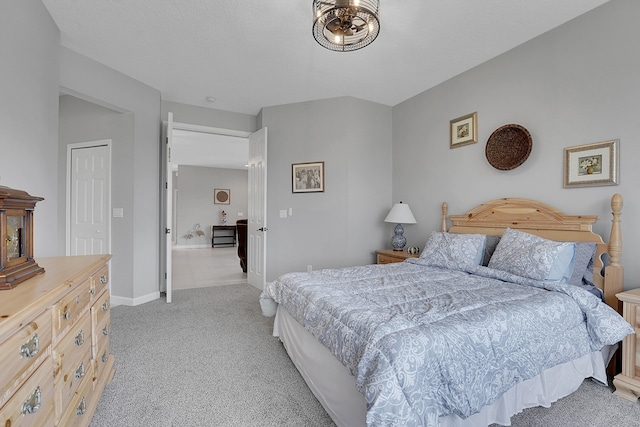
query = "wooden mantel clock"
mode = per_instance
[{"x": 16, "y": 234}]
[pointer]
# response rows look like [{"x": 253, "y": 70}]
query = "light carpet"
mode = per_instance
[{"x": 208, "y": 359}]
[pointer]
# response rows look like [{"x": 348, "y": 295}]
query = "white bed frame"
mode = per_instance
[{"x": 335, "y": 388}]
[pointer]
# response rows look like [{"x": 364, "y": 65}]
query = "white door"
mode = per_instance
[
  {"x": 89, "y": 186},
  {"x": 257, "y": 220},
  {"x": 168, "y": 206}
]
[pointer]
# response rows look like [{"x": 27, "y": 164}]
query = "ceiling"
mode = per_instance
[
  {"x": 254, "y": 53},
  {"x": 208, "y": 150}
]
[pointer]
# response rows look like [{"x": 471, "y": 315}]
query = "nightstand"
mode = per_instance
[
  {"x": 627, "y": 383},
  {"x": 387, "y": 256}
]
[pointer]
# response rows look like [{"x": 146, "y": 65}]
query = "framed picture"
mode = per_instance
[
  {"x": 221, "y": 196},
  {"x": 591, "y": 165},
  {"x": 464, "y": 130},
  {"x": 307, "y": 177}
]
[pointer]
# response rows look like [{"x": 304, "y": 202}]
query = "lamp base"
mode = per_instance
[{"x": 399, "y": 241}]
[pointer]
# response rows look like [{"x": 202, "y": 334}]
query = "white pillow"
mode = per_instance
[
  {"x": 453, "y": 251},
  {"x": 534, "y": 257}
]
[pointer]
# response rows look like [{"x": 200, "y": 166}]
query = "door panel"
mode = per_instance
[
  {"x": 89, "y": 199},
  {"x": 257, "y": 220}
]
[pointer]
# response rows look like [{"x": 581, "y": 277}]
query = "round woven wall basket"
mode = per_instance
[{"x": 508, "y": 147}]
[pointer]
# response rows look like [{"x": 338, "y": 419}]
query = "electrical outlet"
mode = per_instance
[{"x": 309, "y": 268}]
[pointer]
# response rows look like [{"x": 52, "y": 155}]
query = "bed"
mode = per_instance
[{"x": 510, "y": 307}]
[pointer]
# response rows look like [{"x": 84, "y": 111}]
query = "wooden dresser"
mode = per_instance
[{"x": 54, "y": 344}]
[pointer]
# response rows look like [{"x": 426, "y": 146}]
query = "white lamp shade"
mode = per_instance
[{"x": 400, "y": 214}]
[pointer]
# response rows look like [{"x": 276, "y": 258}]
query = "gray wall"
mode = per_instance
[
  {"x": 136, "y": 179},
  {"x": 82, "y": 121},
  {"x": 195, "y": 200},
  {"x": 194, "y": 115},
  {"x": 344, "y": 224},
  {"x": 577, "y": 84},
  {"x": 29, "y": 41}
]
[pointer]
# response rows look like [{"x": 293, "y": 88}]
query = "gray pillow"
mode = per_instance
[
  {"x": 453, "y": 251},
  {"x": 585, "y": 251},
  {"x": 489, "y": 248},
  {"x": 531, "y": 256}
]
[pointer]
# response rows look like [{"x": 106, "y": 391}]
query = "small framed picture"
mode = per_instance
[
  {"x": 464, "y": 130},
  {"x": 221, "y": 196},
  {"x": 591, "y": 165},
  {"x": 307, "y": 177}
]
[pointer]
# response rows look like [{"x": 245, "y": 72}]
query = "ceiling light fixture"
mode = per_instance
[{"x": 345, "y": 25}]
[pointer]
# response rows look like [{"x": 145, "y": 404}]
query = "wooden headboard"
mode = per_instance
[{"x": 542, "y": 220}]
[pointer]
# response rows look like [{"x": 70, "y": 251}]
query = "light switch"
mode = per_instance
[
  {"x": 290, "y": 211},
  {"x": 118, "y": 212},
  {"x": 283, "y": 213}
]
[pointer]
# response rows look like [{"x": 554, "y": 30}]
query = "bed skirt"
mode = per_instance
[{"x": 335, "y": 387}]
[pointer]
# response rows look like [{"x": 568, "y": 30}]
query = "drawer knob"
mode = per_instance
[
  {"x": 92, "y": 291},
  {"x": 82, "y": 407},
  {"x": 79, "y": 338},
  {"x": 105, "y": 331},
  {"x": 80, "y": 371},
  {"x": 33, "y": 402},
  {"x": 78, "y": 299},
  {"x": 105, "y": 306},
  {"x": 105, "y": 357},
  {"x": 67, "y": 315},
  {"x": 31, "y": 347},
  {"x": 103, "y": 279}
]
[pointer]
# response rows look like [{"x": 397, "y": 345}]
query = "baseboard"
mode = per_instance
[{"x": 116, "y": 300}]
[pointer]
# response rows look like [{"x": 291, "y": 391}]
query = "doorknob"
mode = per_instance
[{"x": 262, "y": 229}]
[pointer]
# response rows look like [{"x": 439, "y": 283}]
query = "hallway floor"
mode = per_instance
[{"x": 202, "y": 267}]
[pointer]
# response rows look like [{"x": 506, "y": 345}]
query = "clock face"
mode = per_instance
[{"x": 15, "y": 236}]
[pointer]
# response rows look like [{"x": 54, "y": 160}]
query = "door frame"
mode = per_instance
[
  {"x": 169, "y": 194},
  {"x": 70, "y": 148}
]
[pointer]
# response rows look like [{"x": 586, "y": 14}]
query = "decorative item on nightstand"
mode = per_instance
[{"x": 400, "y": 214}]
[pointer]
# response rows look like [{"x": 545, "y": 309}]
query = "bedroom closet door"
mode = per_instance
[
  {"x": 88, "y": 198},
  {"x": 257, "y": 220}
]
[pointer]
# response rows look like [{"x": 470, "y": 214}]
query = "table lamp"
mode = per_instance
[{"x": 400, "y": 214}]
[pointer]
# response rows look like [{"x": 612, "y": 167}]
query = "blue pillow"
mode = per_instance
[
  {"x": 534, "y": 257},
  {"x": 453, "y": 251}
]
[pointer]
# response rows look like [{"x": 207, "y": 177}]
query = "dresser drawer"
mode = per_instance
[
  {"x": 70, "y": 308},
  {"x": 99, "y": 282},
  {"x": 101, "y": 357},
  {"x": 386, "y": 259},
  {"x": 100, "y": 334},
  {"x": 23, "y": 351},
  {"x": 72, "y": 358},
  {"x": 101, "y": 309},
  {"x": 32, "y": 404},
  {"x": 78, "y": 412}
]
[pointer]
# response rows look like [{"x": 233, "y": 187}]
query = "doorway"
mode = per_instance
[{"x": 203, "y": 159}]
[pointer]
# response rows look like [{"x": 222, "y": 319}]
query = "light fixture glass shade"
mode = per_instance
[
  {"x": 400, "y": 213},
  {"x": 345, "y": 25}
]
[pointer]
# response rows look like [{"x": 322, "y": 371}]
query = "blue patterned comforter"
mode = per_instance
[{"x": 423, "y": 342}]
